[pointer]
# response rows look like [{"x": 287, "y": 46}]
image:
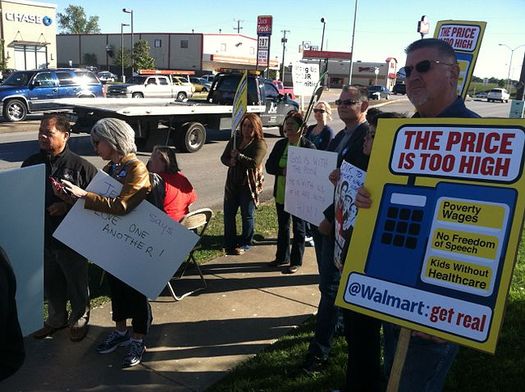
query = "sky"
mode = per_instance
[{"x": 383, "y": 27}]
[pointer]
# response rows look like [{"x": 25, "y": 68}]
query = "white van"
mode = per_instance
[{"x": 498, "y": 94}]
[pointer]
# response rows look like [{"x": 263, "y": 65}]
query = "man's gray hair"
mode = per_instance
[
  {"x": 119, "y": 135},
  {"x": 443, "y": 48}
]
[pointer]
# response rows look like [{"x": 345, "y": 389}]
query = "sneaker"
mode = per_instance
[
  {"x": 234, "y": 252},
  {"x": 246, "y": 248},
  {"x": 134, "y": 357},
  {"x": 113, "y": 340},
  {"x": 309, "y": 241},
  {"x": 46, "y": 330},
  {"x": 292, "y": 269},
  {"x": 278, "y": 263},
  {"x": 78, "y": 331}
]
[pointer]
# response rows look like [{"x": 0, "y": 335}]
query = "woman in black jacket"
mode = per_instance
[{"x": 276, "y": 165}]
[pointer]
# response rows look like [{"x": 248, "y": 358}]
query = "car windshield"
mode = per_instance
[{"x": 18, "y": 79}]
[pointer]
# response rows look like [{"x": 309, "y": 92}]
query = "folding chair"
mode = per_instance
[{"x": 197, "y": 221}]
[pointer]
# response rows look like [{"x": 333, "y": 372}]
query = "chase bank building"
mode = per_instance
[{"x": 27, "y": 34}]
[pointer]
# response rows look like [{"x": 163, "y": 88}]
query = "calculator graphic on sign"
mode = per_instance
[{"x": 440, "y": 238}]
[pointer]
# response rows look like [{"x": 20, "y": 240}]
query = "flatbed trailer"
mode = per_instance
[{"x": 186, "y": 121}]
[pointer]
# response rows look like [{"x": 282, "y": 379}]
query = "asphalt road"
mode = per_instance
[{"x": 203, "y": 168}]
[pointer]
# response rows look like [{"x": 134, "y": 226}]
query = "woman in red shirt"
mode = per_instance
[{"x": 179, "y": 193}]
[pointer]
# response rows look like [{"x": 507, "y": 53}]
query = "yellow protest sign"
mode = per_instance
[
  {"x": 436, "y": 250},
  {"x": 465, "y": 38}
]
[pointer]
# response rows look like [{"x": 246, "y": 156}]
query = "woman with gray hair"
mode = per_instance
[{"x": 114, "y": 140}]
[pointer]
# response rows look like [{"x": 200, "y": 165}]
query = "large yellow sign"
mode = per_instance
[{"x": 436, "y": 251}]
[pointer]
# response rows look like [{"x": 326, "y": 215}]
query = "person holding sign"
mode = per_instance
[
  {"x": 276, "y": 165},
  {"x": 431, "y": 80},
  {"x": 178, "y": 191},
  {"x": 348, "y": 144},
  {"x": 114, "y": 140},
  {"x": 243, "y": 155},
  {"x": 65, "y": 271}
]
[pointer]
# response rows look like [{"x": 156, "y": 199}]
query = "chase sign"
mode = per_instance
[{"x": 28, "y": 18}]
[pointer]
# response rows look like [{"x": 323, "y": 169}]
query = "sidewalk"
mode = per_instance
[{"x": 193, "y": 343}]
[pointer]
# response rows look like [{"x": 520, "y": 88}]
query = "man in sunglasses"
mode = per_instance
[
  {"x": 348, "y": 143},
  {"x": 431, "y": 81}
]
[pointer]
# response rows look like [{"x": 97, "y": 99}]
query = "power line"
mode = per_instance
[{"x": 239, "y": 27}]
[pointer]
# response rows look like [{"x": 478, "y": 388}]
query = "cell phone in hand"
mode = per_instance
[{"x": 59, "y": 187}]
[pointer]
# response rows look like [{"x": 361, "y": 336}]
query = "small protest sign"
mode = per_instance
[{"x": 308, "y": 190}]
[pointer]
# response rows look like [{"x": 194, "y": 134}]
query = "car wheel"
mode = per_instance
[
  {"x": 191, "y": 137},
  {"x": 181, "y": 96},
  {"x": 15, "y": 110},
  {"x": 137, "y": 95}
]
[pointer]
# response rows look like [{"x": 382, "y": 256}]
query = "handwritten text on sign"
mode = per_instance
[
  {"x": 143, "y": 248},
  {"x": 487, "y": 153},
  {"x": 308, "y": 190}
]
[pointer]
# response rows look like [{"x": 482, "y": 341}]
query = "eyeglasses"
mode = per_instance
[
  {"x": 346, "y": 102},
  {"x": 319, "y": 110},
  {"x": 422, "y": 67}
]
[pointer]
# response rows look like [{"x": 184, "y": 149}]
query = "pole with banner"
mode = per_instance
[{"x": 240, "y": 103}]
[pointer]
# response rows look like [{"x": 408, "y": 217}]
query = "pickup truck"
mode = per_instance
[
  {"x": 186, "y": 122},
  {"x": 151, "y": 86}
]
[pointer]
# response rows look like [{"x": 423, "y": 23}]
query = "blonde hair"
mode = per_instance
[{"x": 326, "y": 107}]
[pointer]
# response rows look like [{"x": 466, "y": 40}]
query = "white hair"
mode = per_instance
[{"x": 118, "y": 133}]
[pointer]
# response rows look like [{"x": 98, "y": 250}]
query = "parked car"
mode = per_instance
[
  {"x": 378, "y": 92},
  {"x": 399, "y": 88},
  {"x": 284, "y": 90},
  {"x": 182, "y": 81},
  {"x": 106, "y": 76},
  {"x": 498, "y": 94},
  {"x": 208, "y": 78},
  {"x": 481, "y": 95},
  {"x": 5, "y": 73},
  {"x": 152, "y": 86},
  {"x": 200, "y": 84},
  {"x": 26, "y": 92}
]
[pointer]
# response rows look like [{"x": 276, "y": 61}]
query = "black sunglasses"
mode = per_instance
[
  {"x": 422, "y": 67},
  {"x": 347, "y": 102},
  {"x": 319, "y": 110}
]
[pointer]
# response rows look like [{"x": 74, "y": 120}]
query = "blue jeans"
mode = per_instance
[
  {"x": 427, "y": 362},
  {"x": 327, "y": 313},
  {"x": 283, "y": 237},
  {"x": 232, "y": 201}
]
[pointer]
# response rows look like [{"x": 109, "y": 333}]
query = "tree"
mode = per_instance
[
  {"x": 141, "y": 56},
  {"x": 122, "y": 57},
  {"x": 74, "y": 21}
]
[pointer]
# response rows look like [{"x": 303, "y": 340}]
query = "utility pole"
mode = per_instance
[
  {"x": 283, "y": 40},
  {"x": 239, "y": 27}
]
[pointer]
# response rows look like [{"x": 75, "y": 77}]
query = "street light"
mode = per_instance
[
  {"x": 122, "y": 25},
  {"x": 510, "y": 62},
  {"x": 323, "y": 21},
  {"x": 352, "y": 47},
  {"x": 130, "y": 11}
]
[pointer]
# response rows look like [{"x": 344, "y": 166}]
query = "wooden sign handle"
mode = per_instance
[{"x": 399, "y": 360}]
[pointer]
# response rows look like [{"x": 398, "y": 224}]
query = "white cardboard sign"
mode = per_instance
[
  {"x": 308, "y": 190},
  {"x": 143, "y": 248},
  {"x": 305, "y": 78}
]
